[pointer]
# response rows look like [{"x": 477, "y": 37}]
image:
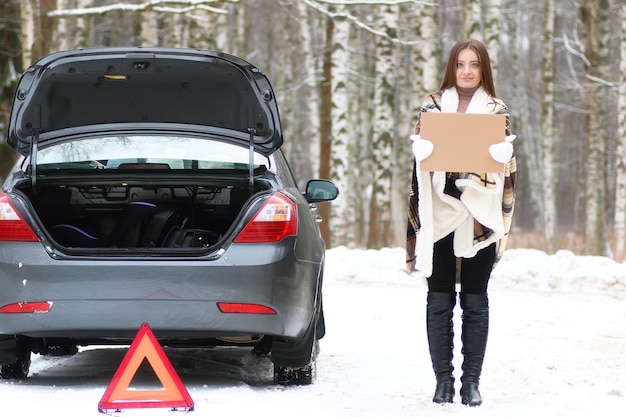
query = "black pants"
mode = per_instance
[{"x": 475, "y": 272}]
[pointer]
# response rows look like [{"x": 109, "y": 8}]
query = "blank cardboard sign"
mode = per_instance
[{"x": 461, "y": 141}]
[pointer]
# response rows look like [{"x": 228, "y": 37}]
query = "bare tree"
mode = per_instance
[
  {"x": 595, "y": 17},
  {"x": 472, "y": 19},
  {"x": 342, "y": 216},
  {"x": 421, "y": 77},
  {"x": 428, "y": 58},
  {"x": 310, "y": 103},
  {"x": 380, "y": 223},
  {"x": 548, "y": 159},
  {"x": 10, "y": 66},
  {"x": 326, "y": 124},
  {"x": 620, "y": 191},
  {"x": 493, "y": 17}
]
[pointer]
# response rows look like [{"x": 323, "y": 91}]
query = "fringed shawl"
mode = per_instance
[{"x": 477, "y": 207}]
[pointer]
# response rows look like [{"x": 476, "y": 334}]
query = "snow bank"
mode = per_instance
[{"x": 526, "y": 269}]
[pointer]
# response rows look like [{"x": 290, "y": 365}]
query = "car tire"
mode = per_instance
[
  {"x": 18, "y": 369},
  {"x": 284, "y": 375},
  {"x": 287, "y": 360}
]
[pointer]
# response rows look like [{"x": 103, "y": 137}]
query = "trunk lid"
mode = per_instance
[{"x": 101, "y": 89}]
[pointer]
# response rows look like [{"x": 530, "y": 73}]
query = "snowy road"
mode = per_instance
[{"x": 553, "y": 350}]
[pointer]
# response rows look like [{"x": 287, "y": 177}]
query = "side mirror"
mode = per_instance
[{"x": 319, "y": 191}]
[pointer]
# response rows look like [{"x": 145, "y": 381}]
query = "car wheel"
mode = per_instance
[
  {"x": 285, "y": 375},
  {"x": 18, "y": 369},
  {"x": 287, "y": 358}
]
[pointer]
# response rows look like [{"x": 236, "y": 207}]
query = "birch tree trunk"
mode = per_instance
[
  {"x": 205, "y": 30},
  {"x": 286, "y": 80},
  {"x": 401, "y": 154},
  {"x": 10, "y": 67},
  {"x": 342, "y": 217},
  {"x": 9, "y": 56},
  {"x": 423, "y": 73},
  {"x": 620, "y": 189},
  {"x": 37, "y": 29},
  {"x": 421, "y": 77},
  {"x": 472, "y": 18},
  {"x": 326, "y": 126},
  {"x": 428, "y": 56},
  {"x": 172, "y": 30},
  {"x": 27, "y": 16},
  {"x": 362, "y": 112},
  {"x": 526, "y": 145},
  {"x": 217, "y": 30},
  {"x": 548, "y": 160},
  {"x": 595, "y": 15},
  {"x": 298, "y": 94},
  {"x": 64, "y": 35},
  {"x": 380, "y": 217},
  {"x": 292, "y": 84},
  {"x": 149, "y": 29},
  {"x": 418, "y": 75},
  {"x": 493, "y": 33},
  {"x": 237, "y": 28},
  {"x": 310, "y": 127}
]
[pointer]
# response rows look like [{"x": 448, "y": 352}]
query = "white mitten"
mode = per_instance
[
  {"x": 422, "y": 148},
  {"x": 501, "y": 152}
]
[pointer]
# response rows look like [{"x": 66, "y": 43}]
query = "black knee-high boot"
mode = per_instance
[
  {"x": 474, "y": 337},
  {"x": 440, "y": 342}
]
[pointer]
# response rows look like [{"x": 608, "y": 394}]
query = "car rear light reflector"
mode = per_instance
[
  {"x": 12, "y": 226},
  {"x": 276, "y": 219},
  {"x": 244, "y": 308},
  {"x": 28, "y": 307}
]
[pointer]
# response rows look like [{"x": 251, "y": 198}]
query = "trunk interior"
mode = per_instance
[{"x": 139, "y": 216}]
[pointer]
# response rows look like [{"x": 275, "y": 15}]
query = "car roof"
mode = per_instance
[{"x": 105, "y": 89}]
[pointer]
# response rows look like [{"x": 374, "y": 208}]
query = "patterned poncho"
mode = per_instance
[{"x": 477, "y": 207}]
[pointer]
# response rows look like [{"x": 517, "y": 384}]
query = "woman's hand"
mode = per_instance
[
  {"x": 422, "y": 148},
  {"x": 503, "y": 151}
]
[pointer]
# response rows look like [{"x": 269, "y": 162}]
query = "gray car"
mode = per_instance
[{"x": 152, "y": 188}]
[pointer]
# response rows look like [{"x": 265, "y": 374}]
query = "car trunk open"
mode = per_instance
[
  {"x": 73, "y": 113},
  {"x": 141, "y": 213}
]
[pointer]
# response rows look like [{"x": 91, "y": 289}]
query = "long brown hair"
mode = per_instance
[{"x": 449, "y": 76}]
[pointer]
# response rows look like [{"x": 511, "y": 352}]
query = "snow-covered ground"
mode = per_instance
[{"x": 557, "y": 347}]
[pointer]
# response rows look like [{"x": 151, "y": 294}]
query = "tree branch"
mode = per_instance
[
  {"x": 157, "y": 5},
  {"x": 574, "y": 52},
  {"x": 357, "y": 22},
  {"x": 373, "y": 2},
  {"x": 602, "y": 81}
]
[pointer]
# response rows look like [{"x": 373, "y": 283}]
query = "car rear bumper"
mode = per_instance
[{"x": 110, "y": 299}]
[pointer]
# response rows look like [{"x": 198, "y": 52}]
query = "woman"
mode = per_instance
[{"x": 439, "y": 247}]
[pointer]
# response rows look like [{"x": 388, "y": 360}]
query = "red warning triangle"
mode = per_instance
[{"x": 172, "y": 395}]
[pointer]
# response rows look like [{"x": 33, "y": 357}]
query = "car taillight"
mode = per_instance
[
  {"x": 276, "y": 219},
  {"x": 28, "y": 307},
  {"x": 244, "y": 308},
  {"x": 12, "y": 226}
]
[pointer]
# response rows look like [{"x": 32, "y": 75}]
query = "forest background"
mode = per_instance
[{"x": 350, "y": 77}]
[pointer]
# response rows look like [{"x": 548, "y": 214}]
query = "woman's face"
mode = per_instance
[{"x": 468, "y": 71}]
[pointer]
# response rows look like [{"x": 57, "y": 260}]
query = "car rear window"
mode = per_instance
[{"x": 147, "y": 152}]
